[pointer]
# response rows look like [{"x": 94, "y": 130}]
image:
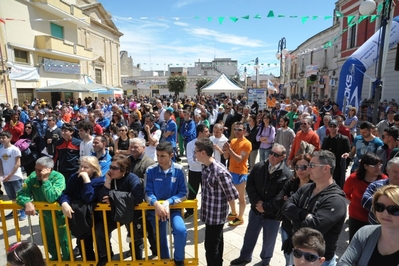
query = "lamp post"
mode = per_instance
[
  {"x": 366, "y": 8},
  {"x": 256, "y": 65},
  {"x": 245, "y": 72},
  {"x": 281, "y": 53}
]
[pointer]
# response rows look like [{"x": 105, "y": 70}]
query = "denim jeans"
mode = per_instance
[
  {"x": 289, "y": 258},
  {"x": 331, "y": 262},
  {"x": 264, "y": 154},
  {"x": 12, "y": 188},
  {"x": 270, "y": 231}
]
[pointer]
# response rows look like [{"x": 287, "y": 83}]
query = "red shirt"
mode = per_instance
[
  {"x": 354, "y": 189},
  {"x": 17, "y": 131}
]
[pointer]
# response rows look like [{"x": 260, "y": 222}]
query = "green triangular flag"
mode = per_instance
[
  {"x": 304, "y": 19},
  {"x": 315, "y": 17},
  {"x": 335, "y": 39},
  {"x": 379, "y": 7},
  {"x": 372, "y": 18},
  {"x": 327, "y": 17},
  {"x": 209, "y": 19},
  {"x": 246, "y": 17},
  {"x": 281, "y": 16},
  {"x": 352, "y": 24},
  {"x": 361, "y": 18},
  {"x": 234, "y": 19},
  {"x": 338, "y": 14},
  {"x": 271, "y": 14},
  {"x": 345, "y": 30},
  {"x": 258, "y": 16},
  {"x": 293, "y": 16},
  {"x": 196, "y": 17},
  {"x": 349, "y": 19},
  {"x": 328, "y": 44},
  {"x": 220, "y": 20}
]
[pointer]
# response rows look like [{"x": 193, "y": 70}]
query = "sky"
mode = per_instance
[{"x": 182, "y": 32}]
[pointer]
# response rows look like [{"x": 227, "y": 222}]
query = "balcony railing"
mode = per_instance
[{"x": 55, "y": 44}]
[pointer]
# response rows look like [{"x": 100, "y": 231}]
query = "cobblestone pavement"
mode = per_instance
[{"x": 233, "y": 239}]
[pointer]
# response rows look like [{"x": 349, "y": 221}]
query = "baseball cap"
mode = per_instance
[
  {"x": 41, "y": 111},
  {"x": 391, "y": 110},
  {"x": 333, "y": 123},
  {"x": 76, "y": 108}
]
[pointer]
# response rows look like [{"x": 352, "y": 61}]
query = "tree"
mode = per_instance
[
  {"x": 177, "y": 84},
  {"x": 200, "y": 83}
]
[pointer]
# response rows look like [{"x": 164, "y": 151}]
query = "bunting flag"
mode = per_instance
[
  {"x": 258, "y": 16},
  {"x": 234, "y": 19},
  {"x": 349, "y": 19},
  {"x": 373, "y": 18},
  {"x": 338, "y": 14},
  {"x": 220, "y": 20},
  {"x": 315, "y": 17},
  {"x": 245, "y": 17},
  {"x": 271, "y": 14},
  {"x": 304, "y": 19}
]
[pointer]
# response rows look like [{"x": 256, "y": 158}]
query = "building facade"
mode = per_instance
[{"x": 50, "y": 42}]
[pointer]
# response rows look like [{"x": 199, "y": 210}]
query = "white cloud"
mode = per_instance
[
  {"x": 224, "y": 37},
  {"x": 183, "y": 3},
  {"x": 182, "y": 24}
]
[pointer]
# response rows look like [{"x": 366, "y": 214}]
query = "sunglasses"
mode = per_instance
[
  {"x": 121, "y": 130},
  {"x": 300, "y": 167},
  {"x": 116, "y": 168},
  {"x": 238, "y": 129},
  {"x": 392, "y": 209},
  {"x": 275, "y": 154},
  {"x": 313, "y": 165},
  {"x": 28, "y": 127},
  {"x": 333, "y": 126},
  {"x": 308, "y": 256}
]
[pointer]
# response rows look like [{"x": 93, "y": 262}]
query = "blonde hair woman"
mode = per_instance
[
  {"x": 83, "y": 186},
  {"x": 377, "y": 244},
  {"x": 351, "y": 121}
]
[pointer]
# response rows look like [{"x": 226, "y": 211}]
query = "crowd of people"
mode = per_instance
[{"x": 128, "y": 150}]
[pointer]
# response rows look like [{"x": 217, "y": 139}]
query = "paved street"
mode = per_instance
[{"x": 233, "y": 239}]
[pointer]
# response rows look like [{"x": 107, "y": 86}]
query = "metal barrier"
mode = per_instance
[{"x": 143, "y": 207}]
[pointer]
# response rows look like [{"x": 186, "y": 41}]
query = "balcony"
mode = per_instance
[
  {"x": 63, "y": 10},
  {"x": 49, "y": 44}
]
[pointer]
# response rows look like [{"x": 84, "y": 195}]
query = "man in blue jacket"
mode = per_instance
[
  {"x": 188, "y": 129},
  {"x": 165, "y": 181}
]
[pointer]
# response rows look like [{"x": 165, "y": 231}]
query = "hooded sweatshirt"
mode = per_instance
[{"x": 327, "y": 209}]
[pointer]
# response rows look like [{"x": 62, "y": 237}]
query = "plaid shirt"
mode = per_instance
[{"x": 217, "y": 191}]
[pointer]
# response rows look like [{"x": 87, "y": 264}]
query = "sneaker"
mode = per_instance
[
  {"x": 179, "y": 263},
  {"x": 187, "y": 215},
  {"x": 10, "y": 215},
  {"x": 239, "y": 261},
  {"x": 22, "y": 216},
  {"x": 236, "y": 222},
  {"x": 231, "y": 217},
  {"x": 76, "y": 251}
]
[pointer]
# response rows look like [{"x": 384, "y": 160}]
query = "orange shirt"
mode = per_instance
[
  {"x": 239, "y": 146},
  {"x": 67, "y": 117}
]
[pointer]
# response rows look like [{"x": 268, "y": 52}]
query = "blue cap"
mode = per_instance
[
  {"x": 170, "y": 109},
  {"x": 76, "y": 108}
]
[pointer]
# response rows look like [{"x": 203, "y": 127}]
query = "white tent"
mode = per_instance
[{"x": 222, "y": 84}]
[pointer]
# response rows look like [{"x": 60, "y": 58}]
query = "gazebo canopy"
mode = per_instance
[{"x": 222, "y": 84}]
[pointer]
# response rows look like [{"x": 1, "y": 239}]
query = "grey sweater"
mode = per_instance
[
  {"x": 361, "y": 247},
  {"x": 285, "y": 138}
]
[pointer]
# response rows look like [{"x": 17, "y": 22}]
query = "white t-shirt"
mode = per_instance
[
  {"x": 150, "y": 150},
  {"x": 86, "y": 147},
  {"x": 8, "y": 158},
  {"x": 220, "y": 142}
]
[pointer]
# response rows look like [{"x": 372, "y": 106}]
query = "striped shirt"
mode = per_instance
[{"x": 217, "y": 191}]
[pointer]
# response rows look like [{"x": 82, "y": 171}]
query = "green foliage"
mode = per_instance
[
  {"x": 177, "y": 84},
  {"x": 200, "y": 83}
]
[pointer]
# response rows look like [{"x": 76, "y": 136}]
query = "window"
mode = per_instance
[
  {"x": 352, "y": 36},
  {"x": 21, "y": 56},
  {"x": 99, "y": 78},
  {"x": 57, "y": 31}
]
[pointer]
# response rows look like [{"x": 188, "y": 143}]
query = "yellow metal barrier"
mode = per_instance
[{"x": 143, "y": 207}]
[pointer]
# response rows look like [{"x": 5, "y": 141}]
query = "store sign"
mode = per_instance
[{"x": 63, "y": 67}]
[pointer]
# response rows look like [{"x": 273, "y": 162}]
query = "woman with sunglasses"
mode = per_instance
[
  {"x": 354, "y": 187},
  {"x": 25, "y": 254},
  {"x": 118, "y": 179},
  {"x": 83, "y": 187},
  {"x": 266, "y": 136},
  {"x": 301, "y": 177},
  {"x": 122, "y": 143},
  {"x": 252, "y": 130},
  {"x": 28, "y": 161},
  {"x": 377, "y": 244}
]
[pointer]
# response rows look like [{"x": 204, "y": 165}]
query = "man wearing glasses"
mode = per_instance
[
  {"x": 337, "y": 144},
  {"x": 238, "y": 152},
  {"x": 320, "y": 205},
  {"x": 306, "y": 134},
  {"x": 265, "y": 181}
]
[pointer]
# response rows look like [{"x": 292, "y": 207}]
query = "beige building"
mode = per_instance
[{"x": 48, "y": 42}]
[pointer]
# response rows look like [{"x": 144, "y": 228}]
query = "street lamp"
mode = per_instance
[
  {"x": 281, "y": 53},
  {"x": 366, "y": 8}
]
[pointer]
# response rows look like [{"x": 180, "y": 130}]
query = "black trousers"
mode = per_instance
[
  {"x": 354, "y": 226},
  {"x": 214, "y": 244},
  {"x": 88, "y": 243},
  {"x": 194, "y": 181}
]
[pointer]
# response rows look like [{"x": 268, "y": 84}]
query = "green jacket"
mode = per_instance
[{"x": 48, "y": 191}]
